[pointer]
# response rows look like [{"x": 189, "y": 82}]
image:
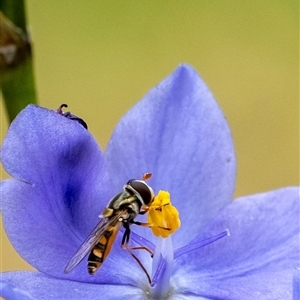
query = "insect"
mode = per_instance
[
  {"x": 70, "y": 116},
  {"x": 135, "y": 199}
]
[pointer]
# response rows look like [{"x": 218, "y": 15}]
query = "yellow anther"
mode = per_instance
[{"x": 163, "y": 215}]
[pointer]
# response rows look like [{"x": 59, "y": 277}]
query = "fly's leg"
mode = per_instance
[
  {"x": 124, "y": 245},
  {"x": 150, "y": 225},
  {"x": 141, "y": 248}
]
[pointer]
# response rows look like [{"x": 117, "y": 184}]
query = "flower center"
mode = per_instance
[
  {"x": 164, "y": 218},
  {"x": 162, "y": 268},
  {"x": 163, "y": 260}
]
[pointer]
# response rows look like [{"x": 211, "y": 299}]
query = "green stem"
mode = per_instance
[
  {"x": 15, "y": 11},
  {"x": 17, "y": 78}
]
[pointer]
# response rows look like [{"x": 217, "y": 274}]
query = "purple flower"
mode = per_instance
[
  {"x": 10, "y": 292},
  {"x": 62, "y": 181}
]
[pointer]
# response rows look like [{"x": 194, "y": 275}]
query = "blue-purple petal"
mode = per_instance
[
  {"x": 43, "y": 287},
  {"x": 60, "y": 187},
  {"x": 46, "y": 242},
  {"x": 257, "y": 261},
  {"x": 9, "y": 292},
  {"x": 178, "y": 133},
  {"x": 60, "y": 158},
  {"x": 296, "y": 284}
]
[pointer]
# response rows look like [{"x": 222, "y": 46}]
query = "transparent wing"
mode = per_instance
[{"x": 92, "y": 240}]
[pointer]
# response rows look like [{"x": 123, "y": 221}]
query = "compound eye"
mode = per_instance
[{"x": 143, "y": 189}]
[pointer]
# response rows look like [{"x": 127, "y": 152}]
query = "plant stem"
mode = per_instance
[{"x": 16, "y": 68}]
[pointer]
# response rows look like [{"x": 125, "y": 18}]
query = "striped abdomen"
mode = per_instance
[{"x": 102, "y": 248}]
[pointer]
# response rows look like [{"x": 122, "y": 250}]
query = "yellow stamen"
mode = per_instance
[{"x": 163, "y": 215}]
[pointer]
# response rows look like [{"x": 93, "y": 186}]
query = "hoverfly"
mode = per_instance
[{"x": 135, "y": 199}]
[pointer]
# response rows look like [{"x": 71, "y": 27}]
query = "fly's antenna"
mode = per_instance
[{"x": 146, "y": 176}]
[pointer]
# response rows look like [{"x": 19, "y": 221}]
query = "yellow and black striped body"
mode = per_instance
[
  {"x": 102, "y": 248},
  {"x": 121, "y": 211}
]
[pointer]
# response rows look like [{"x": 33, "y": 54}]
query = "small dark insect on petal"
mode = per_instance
[{"x": 70, "y": 116}]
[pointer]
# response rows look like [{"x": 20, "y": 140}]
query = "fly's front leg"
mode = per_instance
[
  {"x": 144, "y": 209},
  {"x": 150, "y": 225}
]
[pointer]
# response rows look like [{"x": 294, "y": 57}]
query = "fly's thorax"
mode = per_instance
[
  {"x": 131, "y": 210},
  {"x": 114, "y": 203},
  {"x": 125, "y": 201}
]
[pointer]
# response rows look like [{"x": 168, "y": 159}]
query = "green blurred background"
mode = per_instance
[{"x": 101, "y": 57}]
